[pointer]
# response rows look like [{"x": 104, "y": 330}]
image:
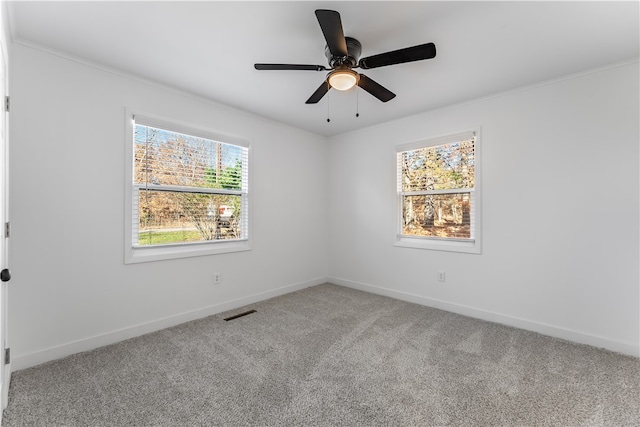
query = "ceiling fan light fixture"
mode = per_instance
[
  {"x": 343, "y": 54},
  {"x": 343, "y": 79}
]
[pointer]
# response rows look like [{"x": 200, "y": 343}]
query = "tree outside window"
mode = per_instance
[
  {"x": 437, "y": 194},
  {"x": 189, "y": 189}
]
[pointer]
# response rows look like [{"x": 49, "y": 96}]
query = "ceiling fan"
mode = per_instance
[{"x": 343, "y": 54}]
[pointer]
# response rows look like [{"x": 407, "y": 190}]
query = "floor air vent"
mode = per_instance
[{"x": 240, "y": 315}]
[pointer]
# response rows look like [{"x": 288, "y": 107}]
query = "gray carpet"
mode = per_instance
[{"x": 332, "y": 356}]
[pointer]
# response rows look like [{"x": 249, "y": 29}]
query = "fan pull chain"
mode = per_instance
[
  {"x": 357, "y": 101},
  {"x": 328, "y": 99}
]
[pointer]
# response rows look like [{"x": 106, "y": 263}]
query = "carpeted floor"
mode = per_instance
[{"x": 332, "y": 356}]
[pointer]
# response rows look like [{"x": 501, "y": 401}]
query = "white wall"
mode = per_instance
[
  {"x": 560, "y": 211},
  {"x": 71, "y": 290},
  {"x": 571, "y": 272}
]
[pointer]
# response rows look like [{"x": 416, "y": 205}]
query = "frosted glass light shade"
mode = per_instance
[{"x": 343, "y": 79}]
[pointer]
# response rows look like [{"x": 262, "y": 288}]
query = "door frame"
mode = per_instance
[{"x": 5, "y": 365}]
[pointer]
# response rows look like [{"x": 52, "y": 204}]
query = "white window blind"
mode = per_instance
[
  {"x": 189, "y": 186},
  {"x": 436, "y": 185}
]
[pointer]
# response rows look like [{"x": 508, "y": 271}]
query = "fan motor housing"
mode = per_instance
[{"x": 354, "y": 49}]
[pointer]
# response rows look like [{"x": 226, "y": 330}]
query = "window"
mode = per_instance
[
  {"x": 438, "y": 193},
  {"x": 188, "y": 192}
]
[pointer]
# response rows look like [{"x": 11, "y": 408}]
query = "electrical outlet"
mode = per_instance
[
  {"x": 441, "y": 276},
  {"x": 217, "y": 279}
]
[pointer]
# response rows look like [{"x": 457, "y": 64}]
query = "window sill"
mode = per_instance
[
  {"x": 159, "y": 253},
  {"x": 470, "y": 247}
]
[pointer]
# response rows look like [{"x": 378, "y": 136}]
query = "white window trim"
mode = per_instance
[
  {"x": 164, "y": 252},
  {"x": 471, "y": 246}
]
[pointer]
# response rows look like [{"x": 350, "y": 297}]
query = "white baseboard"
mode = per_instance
[
  {"x": 529, "y": 325},
  {"x": 23, "y": 361}
]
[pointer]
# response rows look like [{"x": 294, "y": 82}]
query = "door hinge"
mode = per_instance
[
  {"x": 7, "y": 356},
  {"x": 7, "y": 230},
  {"x": 7, "y": 103}
]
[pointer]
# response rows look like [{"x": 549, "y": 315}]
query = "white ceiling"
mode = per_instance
[{"x": 209, "y": 48}]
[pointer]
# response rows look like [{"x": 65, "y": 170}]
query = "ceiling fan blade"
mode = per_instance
[
  {"x": 289, "y": 67},
  {"x": 408, "y": 54},
  {"x": 375, "y": 89},
  {"x": 319, "y": 93},
  {"x": 331, "y": 26}
]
